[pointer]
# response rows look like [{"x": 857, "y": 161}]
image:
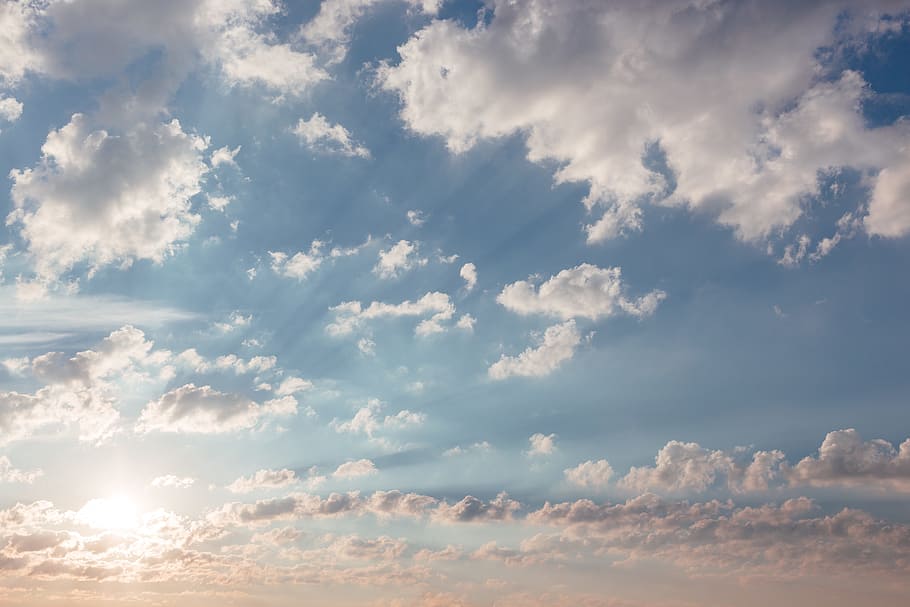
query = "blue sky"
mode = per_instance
[{"x": 424, "y": 303}]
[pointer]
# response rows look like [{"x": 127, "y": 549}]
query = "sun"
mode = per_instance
[{"x": 114, "y": 513}]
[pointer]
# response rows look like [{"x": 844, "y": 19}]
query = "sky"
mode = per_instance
[{"x": 454, "y": 303}]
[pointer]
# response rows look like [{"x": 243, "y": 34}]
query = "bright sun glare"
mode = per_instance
[{"x": 117, "y": 512}]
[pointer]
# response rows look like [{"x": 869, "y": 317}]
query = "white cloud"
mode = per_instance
[
  {"x": 478, "y": 447},
  {"x": 224, "y": 155},
  {"x": 204, "y": 410},
  {"x": 10, "y": 109},
  {"x": 556, "y": 346},
  {"x": 303, "y": 263},
  {"x": 17, "y": 55},
  {"x": 401, "y": 257},
  {"x": 264, "y": 479},
  {"x": 889, "y": 209},
  {"x": 469, "y": 273},
  {"x": 292, "y": 385},
  {"x": 11, "y": 474},
  {"x": 466, "y": 323},
  {"x": 746, "y": 126},
  {"x": 542, "y": 444},
  {"x": 236, "y": 320},
  {"x": 416, "y": 218},
  {"x": 368, "y": 420},
  {"x": 319, "y": 135},
  {"x": 330, "y": 29},
  {"x": 590, "y": 474},
  {"x": 101, "y": 198},
  {"x": 355, "y": 469},
  {"x": 584, "y": 291},
  {"x": 173, "y": 481},
  {"x": 845, "y": 459},
  {"x": 351, "y": 315}
]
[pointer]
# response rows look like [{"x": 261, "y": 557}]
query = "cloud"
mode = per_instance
[
  {"x": 478, "y": 447},
  {"x": 11, "y": 474},
  {"x": 351, "y": 315},
  {"x": 556, "y": 346},
  {"x": 585, "y": 291},
  {"x": 590, "y": 474},
  {"x": 469, "y": 273},
  {"x": 264, "y": 479},
  {"x": 844, "y": 459},
  {"x": 204, "y": 410},
  {"x": 889, "y": 211},
  {"x": 303, "y": 263},
  {"x": 355, "y": 469},
  {"x": 401, "y": 257},
  {"x": 368, "y": 420},
  {"x": 172, "y": 481},
  {"x": 330, "y": 29},
  {"x": 542, "y": 444},
  {"x": 101, "y": 198},
  {"x": 745, "y": 126},
  {"x": 319, "y": 135},
  {"x": 79, "y": 390},
  {"x": 10, "y": 109},
  {"x": 292, "y": 385},
  {"x": 473, "y": 510},
  {"x": 416, "y": 218},
  {"x": 224, "y": 156}
]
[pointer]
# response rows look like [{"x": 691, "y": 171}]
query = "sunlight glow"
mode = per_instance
[{"x": 117, "y": 512}]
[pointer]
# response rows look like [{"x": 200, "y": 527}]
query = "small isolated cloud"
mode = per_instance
[
  {"x": 466, "y": 323},
  {"x": 401, "y": 257},
  {"x": 458, "y": 450},
  {"x": 264, "y": 479},
  {"x": 11, "y": 474},
  {"x": 204, "y": 410},
  {"x": 556, "y": 346},
  {"x": 173, "y": 481},
  {"x": 224, "y": 155},
  {"x": 416, "y": 218},
  {"x": 591, "y": 474},
  {"x": 10, "y": 109},
  {"x": 292, "y": 385},
  {"x": 369, "y": 420},
  {"x": 235, "y": 321},
  {"x": 303, "y": 263},
  {"x": 355, "y": 469},
  {"x": 585, "y": 291},
  {"x": 319, "y": 135},
  {"x": 436, "y": 309},
  {"x": 541, "y": 444},
  {"x": 469, "y": 273}
]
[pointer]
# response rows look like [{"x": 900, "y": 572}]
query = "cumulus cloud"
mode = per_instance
[
  {"x": 319, "y": 135},
  {"x": 264, "y": 479},
  {"x": 355, "y": 469},
  {"x": 173, "y": 481},
  {"x": 79, "y": 390},
  {"x": 556, "y": 346},
  {"x": 436, "y": 307},
  {"x": 330, "y": 29},
  {"x": 204, "y": 410},
  {"x": 11, "y": 474},
  {"x": 590, "y": 474},
  {"x": 845, "y": 459},
  {"x": 10, "y": 109},
  {"x": 401, "y": 257},
  {"x": 303, "y": 263},
  {"x": 585, "y": 291},
  {"x": 474, "y": 510},
  {"x": 369, "y": 420},
  {"x": 542, "y": 444},
  {"x": 101, "y": 198},
  {"x": 745, "y": 126},
  {"x": 416, "y": 217},
  {"x": 469, "y": 273}
]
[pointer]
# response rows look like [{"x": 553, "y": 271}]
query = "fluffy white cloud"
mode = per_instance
[
  {"x": 80, "y": 390},
  {"x": 330, "y": 29},
  {"x": 556, "y": 346},
  {"x": 745, "y": 126},
  {"x": 292, "y": 385},
  {"x": 351, "y": 315},
  {"x": 585, "y": 291},
  {"x": 682, "y": 467},
  {"x": 264, "y": 479},
  {"x": 101, "y": 198},
  {"x": 11, "y": 474},
  {"x": 590, "y": 474},
  {"x": 319, "y": 135},
  {"x": 542, "y": 444},
  {"x": 173, "y": 481},
  {"x": 10, "y": 109},
  {"x": 355, "y": 469},
  {"x": 845, "y": 459},
  {"x": 17, "y": 55},
  {"x": 416, "y": 218},
  {"x": 397, "y": 259},
  {"x": 224, "y": 155},
  {"x": 204, "y": 410},
  {"x": 303, "y": 263},
  {"x": 368, "y": 420},
  {"x": 889, "y": 209},
  {"x": 469, "y": 273}
]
